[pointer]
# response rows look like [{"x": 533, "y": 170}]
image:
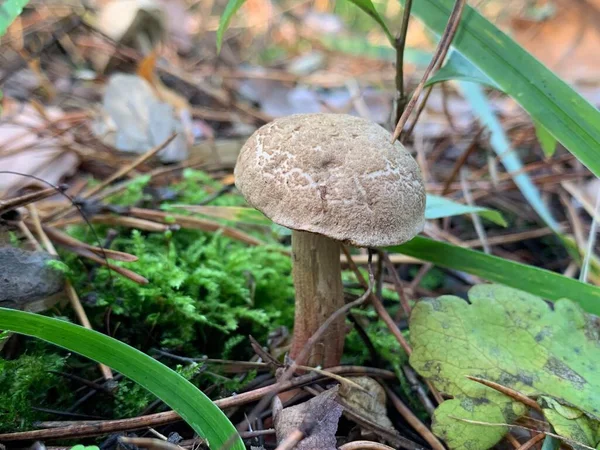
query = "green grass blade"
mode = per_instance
[
  {"x": 9, "y": 11},
  {"x": 230, "y": 10},
  {"x": 368, "y": 7},
  {"x": 188, "y": 401},
  {"x": 570, "y": 118},
  {"x": 546, "y": 140},
  {"x": 438, "y": 207},
  {"x": 550, "y": 285},
  {"x": 459, "y": 68}
]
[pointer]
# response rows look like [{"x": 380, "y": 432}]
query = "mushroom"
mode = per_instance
[{"x": 331, "y": 179}]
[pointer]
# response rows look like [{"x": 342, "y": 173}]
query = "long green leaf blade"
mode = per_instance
[
  {"x": 181, "y": 395},
  {"x": 570, "y": 118},
  {"x": 230, "y": 10},
  {"x": 438, "y": 207},
  {"x": 368, "y": 7},
  {"x": 9, "y": 11},
  {"x": 544, "y": 283}
]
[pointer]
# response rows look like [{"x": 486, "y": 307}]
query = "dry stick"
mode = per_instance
[
  {"x": 420, "y": 110},
  {"x": 71, "y": 293},
  {"x": 436, "y": 62},
  {"x": 99, "y": 427},
  {"x": 400, "y": 45},
  {"x": 462, "y": 160},
  {"x": 291, "y": 440},
  {"x": 397, "y": 282},
  {"x": 513, "y": 441},
  {"x": 531, "y": 442},
  {"x": 69, "y": 241},
  {"x": 381, "y": 311},
  {"x": 474, "y": 217},
  {"x": 365, "y": 445},
  {"x": 522, "y": 398},
  {"x": 118, "y": 174},
  {"x": 126, "y": 169},
  {"x": 413, "y": 420},
  {"x": 150, "y": 443},
  {"x": 30, "y": 237},
  {"x": 16, "y": 202}
]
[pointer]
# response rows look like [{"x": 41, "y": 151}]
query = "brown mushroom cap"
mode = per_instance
[{"x": 336, "y": 175}]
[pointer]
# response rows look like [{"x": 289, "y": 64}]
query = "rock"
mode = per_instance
[{"x": 26, "y": 278}]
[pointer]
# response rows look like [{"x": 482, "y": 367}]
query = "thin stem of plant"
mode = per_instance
[
  {"x": 400, "y": 45},
  {"x": 437, "y": 60}
]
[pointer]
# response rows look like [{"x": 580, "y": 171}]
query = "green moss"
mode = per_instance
[{"x": 25, "y": 383}]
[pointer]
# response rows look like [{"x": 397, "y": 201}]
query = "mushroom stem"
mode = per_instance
[{"x": 319, "y": 293}]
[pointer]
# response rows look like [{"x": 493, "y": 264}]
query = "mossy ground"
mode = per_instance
[{"x": 207, "y": 293}]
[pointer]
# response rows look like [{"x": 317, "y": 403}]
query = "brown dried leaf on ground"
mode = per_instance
[
  {"x": 369, "y": 403},
  {"x": 25, "y": 147},
  {"x": 317, "y": 418}
]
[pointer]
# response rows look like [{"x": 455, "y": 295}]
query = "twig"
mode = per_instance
[
  {"x": 436, "y": 62},
  {"x": 118, "y": 174},
  {"x": 378, "y": 306},
  {"x": 364, "y": 445},
  {"x": 515, "y": 395},
  {"x": 71, "y": 293},
  {"x": 150, "y": 443},
  {"x": 291, "y": 440},
  {"x": 130, "y": 274},
  {"x": 95, "y": 428},
  {"x": 531, "y": 442},
  {"x": 400, "y": 45},
  {"x": 418, "y": 389},
  {"x": 23, "y": 200},
  {"x": 414, "y": 421},
  {"x": 462, "y": 160},
  {"x": 195, "y": 223},
  {"x": 69, "y": 241},
  {"x": 397, "y": 282},
  {"x": 129, "y": 167},
  {"x": 474, "y": 217}
]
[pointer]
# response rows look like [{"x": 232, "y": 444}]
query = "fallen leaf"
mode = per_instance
[
  {"x": 318, "y": 418},
  {"x": 369, "y": 403},
  {"x": 571, "y": 423},
  {"x": 42, "y": 155},
  {"x": 509, "y": 337}
]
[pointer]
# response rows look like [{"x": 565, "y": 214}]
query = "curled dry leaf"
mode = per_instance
[
  {"x": 25, "y": 148},
  {"x": 317, "y": 419},
  {"x": 369, "y": 402}
]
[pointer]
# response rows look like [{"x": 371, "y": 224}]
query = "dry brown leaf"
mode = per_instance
[
  {"x": 41, "y": 155},
  {"x": 369, "y": 403},
  {"x": 317, "y": 418}
]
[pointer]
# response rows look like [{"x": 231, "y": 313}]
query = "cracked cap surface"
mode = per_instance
[{"x": 336, "y": 175}]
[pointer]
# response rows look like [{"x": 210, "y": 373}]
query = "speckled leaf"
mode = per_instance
[
  {"x": 571, "y": 423},
  {"x": 509, "y": 337}
]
